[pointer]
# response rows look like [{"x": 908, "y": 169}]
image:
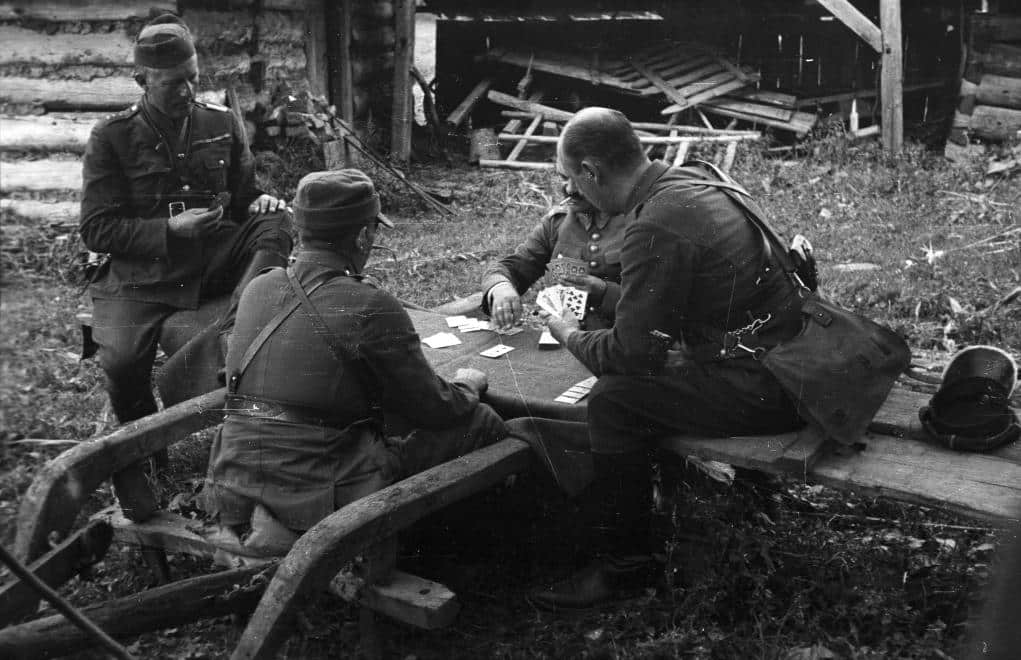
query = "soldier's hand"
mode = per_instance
[
  {"x": 473, "y": 378},
  {"x": 266, "y": 204},
  {"x": 595, "y": 286},
  {"x": 505, "y": 305},
  {"x": 561, "y": 326},
  {"x": 194, "y": 223}
]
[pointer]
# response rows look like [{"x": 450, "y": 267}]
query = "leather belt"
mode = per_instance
[{"x": 243, "y": 406}]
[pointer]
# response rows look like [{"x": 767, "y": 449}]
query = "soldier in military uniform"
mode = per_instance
[
  {"x": 329, "y": 394},
  {"x": 169, "y": 195},
  {"x": 573, "y": 228}
]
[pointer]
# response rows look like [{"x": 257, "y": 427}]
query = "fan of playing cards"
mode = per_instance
[{"x": 553, "y": 299}]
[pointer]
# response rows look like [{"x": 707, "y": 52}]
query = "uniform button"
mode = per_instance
[
  {"x": 593, "y": 264},
  {"x": 595, "y": 236},
  {"x": 186, "y": 187},
  {"x": 593, "y": 248}
]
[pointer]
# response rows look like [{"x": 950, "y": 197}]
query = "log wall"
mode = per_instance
[
  {"x": 990, "y": 96},
  {"x": 66, "y": 63}
]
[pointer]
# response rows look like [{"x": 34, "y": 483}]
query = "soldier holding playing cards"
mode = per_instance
[
  {"x": 693, "y": 270},
  {"x": 581, "y": 248},
  {"x": 329, "y": 396}
]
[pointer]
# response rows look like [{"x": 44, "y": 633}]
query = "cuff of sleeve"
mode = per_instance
[{"x": 487, "y": 296}]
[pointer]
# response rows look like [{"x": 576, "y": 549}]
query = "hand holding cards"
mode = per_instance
[
  {"x": 555, "y": 298},
  {"x": 562, "y": 266}
]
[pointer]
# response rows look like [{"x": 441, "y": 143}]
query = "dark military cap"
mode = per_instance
[
  {"x": 335, "y": 201},
  {"x": 163, "y": 43}
]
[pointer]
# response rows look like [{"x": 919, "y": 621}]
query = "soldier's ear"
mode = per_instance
[{"x": 140, "y": 79}]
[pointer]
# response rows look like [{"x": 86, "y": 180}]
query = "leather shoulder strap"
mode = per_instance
[
  {"x": 339, "y": 350},
  {"x": 264, "y": 334}
]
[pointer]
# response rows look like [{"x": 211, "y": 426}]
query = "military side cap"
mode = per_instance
[
  {"x": 163, "y": 43},
  {"x": 335, "y": 201}
]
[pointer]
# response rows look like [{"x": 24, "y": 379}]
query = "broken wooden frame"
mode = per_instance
[{"x": 893, "y": 464}]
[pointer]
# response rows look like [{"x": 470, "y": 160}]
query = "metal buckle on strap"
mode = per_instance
[{"x": 732, "y": 341}]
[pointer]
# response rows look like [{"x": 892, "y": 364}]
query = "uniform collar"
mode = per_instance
[
  {"x": 587, "y": 215},
  {"x": 326, "y": 259},
  {"x": 640, "y": 193}
]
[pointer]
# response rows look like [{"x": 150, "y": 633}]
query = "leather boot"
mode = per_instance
[{"x": 618, "y": 507}]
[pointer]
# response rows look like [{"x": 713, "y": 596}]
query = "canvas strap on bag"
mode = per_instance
[{"x": 840, "y": 367}]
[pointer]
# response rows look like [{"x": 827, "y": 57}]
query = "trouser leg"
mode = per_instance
[
  {"x": 126, "y": 332},
  {"x": 424, "y": 448}
]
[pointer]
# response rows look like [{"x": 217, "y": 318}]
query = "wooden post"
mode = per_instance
[
  {"x": 404, "y": 48},
  {"x": 346, "y": 92},
  {"x": 315, "y": 47},
  {"x": 892, "y": 77}
]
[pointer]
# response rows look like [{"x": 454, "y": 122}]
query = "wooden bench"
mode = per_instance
[{"x": 984, "y": 485}]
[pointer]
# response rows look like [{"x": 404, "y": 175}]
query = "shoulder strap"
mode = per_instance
[
  {"x": 740, "y": 196},
  {"x": 263, "y": 336},
  {"x": 340, "y": 351}
]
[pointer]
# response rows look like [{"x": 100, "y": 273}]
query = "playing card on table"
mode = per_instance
[
  {"x": 474, "y": 325},
  {"x": 454, "y": 321},
  {"x": 441, "y": 340},
  {"x": 546, "y": 339},
  {"x": 509, "y": 332},
  {"x": 496, "y": 351}
]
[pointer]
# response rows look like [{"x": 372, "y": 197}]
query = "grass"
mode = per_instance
[{"x": 764, "y": 569}]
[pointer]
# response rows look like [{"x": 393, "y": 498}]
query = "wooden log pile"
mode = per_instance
[{"x": 990, "y": 98}]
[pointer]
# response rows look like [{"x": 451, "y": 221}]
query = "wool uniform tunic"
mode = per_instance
[
  {"x": 384, "y": 415},
  {"x": 572, "y": 229},
  {"x": 694, "y": 267}
]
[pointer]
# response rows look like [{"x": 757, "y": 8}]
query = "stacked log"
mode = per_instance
[
  {"x": 372, "y": 44},
  {"x": 990, "y": 97}
]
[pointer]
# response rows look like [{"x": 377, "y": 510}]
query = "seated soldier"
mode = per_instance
[
  {"x": 169, "y": 194},
  {"x": 321, "y": 366},
  {"x": 574, "y": 229}
]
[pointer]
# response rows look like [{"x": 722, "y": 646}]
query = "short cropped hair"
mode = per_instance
[{"x": 604, "y": 135}]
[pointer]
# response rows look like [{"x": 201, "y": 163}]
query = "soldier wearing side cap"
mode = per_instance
[
  {"x": 329, "y": 394},
  {"x": 169, "y": 194}
]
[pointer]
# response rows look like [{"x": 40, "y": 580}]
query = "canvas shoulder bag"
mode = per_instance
[{"x": 840, "y": 367}]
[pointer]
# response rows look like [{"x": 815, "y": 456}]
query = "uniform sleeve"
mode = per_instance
[
  {"x": 105, "y": 225},
  {"x": 608, "y": 305},
  {"x": 392, "y": 354},
  {"x": 527, "y": 263},
  {"x": 657, "y": 267},
  {"x": 241, "y": 180}
]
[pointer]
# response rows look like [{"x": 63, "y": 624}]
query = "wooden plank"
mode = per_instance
[
  {"x": 716, "y": 91},
  {"x": 40, "y": 175},
  {"x": 782, "y": 453},
  {"x": 59, "y": 213},
  {"x": 674, "y": 70},
  {"x": 235, "y": 591},
  {"x": 1000, "y": 59},
  {"x": 21, "y": 45},
  {"x": 1002, "y": 91},
  {"x": 528, "y": 106},
  {"x": 514, "y": 125},
  {"x": 668, "y": 90},
  {"x": 461, "y": 112},
  {"x": 82, "y": 10},
  {"x": 700, "y": 73},
  {"x": 856, "y": 21},
  {"x": 752, "y": 108},
  {"x": 800, "y": 123},
  {"x": 46, "y": 132},
  {"x": 656, "y": 139},
  {"x": 323, "y": 550},
  {"x": 995, "y": 123},
  {"x": 891, "y": 77},
  {"x": 59, "y": 489},
  {"x": 514, "y": 165},
  {"x": 865, "y": 94},
  {"x": 169, "y": 532},
  {"x": 560, "y": 65},
  {"x": 967, "y": 483},
  {"x": 403, "y": 113},
  {"x": 768, "y": 97},
  {"x": 81, "y": 550},
  {"x": 113, "y": 93},
  {"x": 522, "y": 143},
  {"x": 664, "y": 127},
  {"x": 682, "y": 153},
  {"x": 407, "y": 598},
  {"x": 728, "y": 157}
]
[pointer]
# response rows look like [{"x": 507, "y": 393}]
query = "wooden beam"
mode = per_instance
[
  {"x": 892, "y": 77},
  {"x": 680, "y": 101},
  {"x": 41, "y": 176},
  {"x": 514, "y": 165},
  {"x": 651, "y": 126},
  {"x": 317, "y": 62},
  {"x": 657, "y": 139},
  {"x": 235, "y": 591},
  {"x": 82, "y": 10},
  {"x": 1002, "y": 91},
  {"x": 407, "y": 598},
  {"x": 403, "y": 116},
  {"x": 323, "y": 550},
  {"x": 346, "y": 92},
  {"x": 46, "y": 132},
  {"x": 857, "y": 21},
  {"x": 81, "y": 550},
  {"x": 523, "y": 142},
  {"x": 113, "y": 93},
  {"x": 63, "y": 485},
  {"x": 44, "y": 213},
  {"x": 527, "y": 106},
  {"x": 461, "y": 112},
  {"x": 994, "y": 123}
]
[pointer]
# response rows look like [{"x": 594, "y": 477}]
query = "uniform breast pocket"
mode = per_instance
[
  {"x": 613, "y": 264},
  {"x": 213, "y": 169}
]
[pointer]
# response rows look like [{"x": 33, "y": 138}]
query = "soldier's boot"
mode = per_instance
[{"x": 618, "y": 509}]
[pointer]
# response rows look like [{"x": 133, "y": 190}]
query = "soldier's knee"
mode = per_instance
[{"x": 123, "y": 366}]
